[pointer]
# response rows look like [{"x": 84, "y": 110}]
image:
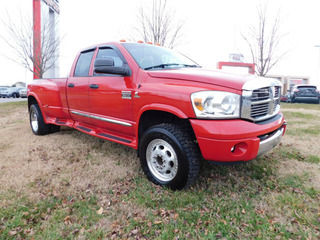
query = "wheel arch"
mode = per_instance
[
  {"x": 31, "y": 100},
  {"x": 154, "y": 117}
]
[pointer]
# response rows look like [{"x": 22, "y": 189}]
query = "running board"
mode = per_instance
[
  {"x": 84, "y": 129},
  {"x": 114, "y": 138}
]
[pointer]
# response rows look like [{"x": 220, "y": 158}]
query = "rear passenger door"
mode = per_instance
[
  {"x": 110, "y": 97},
  {"x": 77, "y": 88}
]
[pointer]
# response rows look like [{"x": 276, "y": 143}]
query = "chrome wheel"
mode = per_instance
[
  {"x": 34, "y": 120},
  {"x": 162, "y": 160}
]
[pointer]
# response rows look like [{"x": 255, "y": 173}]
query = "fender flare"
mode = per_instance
[{"x": 159, "y": 107}]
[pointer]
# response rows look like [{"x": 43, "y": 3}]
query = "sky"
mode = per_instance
[{"x": 212, "y": 31}]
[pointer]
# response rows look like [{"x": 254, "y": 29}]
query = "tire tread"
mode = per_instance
[{"x": 184, "y": 134}]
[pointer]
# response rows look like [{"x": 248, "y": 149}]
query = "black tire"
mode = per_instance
[
  {"x": 38, "y": 126},
  {"x": 170, "y": 156},
  {"x": 14, "y": 95}
]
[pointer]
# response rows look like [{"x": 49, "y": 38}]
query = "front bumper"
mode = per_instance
[
  {"x": 237, "y": 140},
  {"x": 271, "y": 141}
]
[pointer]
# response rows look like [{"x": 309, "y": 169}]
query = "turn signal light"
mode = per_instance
[
  {"x": 198, "y": 103},
  {"x": 122, "y": 40}
]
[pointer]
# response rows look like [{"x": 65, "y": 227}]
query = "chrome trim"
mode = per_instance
[
  {"x": 272, "y": 102},
  {"x": 80, "y": 114},
  {"x": 103, "y": 119},
  {"x": 260, "y": 82},
  {"x": 271, "y": 142}
]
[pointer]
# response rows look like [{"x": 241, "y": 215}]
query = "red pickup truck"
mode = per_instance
[{"x": 164, "y": 105}]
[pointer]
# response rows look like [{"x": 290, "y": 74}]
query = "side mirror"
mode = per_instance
[
  {"x": 106, "y": 66},
  {"x": 103, "y": 62}
]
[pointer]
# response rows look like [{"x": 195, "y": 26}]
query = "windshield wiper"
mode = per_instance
[
  {"x": 162, "y": 65},
  {"x": 188, "y": 65},
  {"x": 171, "y": 64}
]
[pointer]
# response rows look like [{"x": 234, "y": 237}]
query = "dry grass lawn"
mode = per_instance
[{"x": 57, "y": 161}]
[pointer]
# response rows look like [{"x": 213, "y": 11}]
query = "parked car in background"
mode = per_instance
[
  {"x": 2, "y": 89},
  {"x": 5, "y": 92},
  {"x": 286, "y": 98},
  {"x": 305, "y": 93},
  {"x": 23, "y": 93},
  {"x": 11, "y": 92}
]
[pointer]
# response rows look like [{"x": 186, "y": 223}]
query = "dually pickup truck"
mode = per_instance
[{"x": 164, "y": 105}]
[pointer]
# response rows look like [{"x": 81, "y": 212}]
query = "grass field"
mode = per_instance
[{"x": 69, "y": 185}]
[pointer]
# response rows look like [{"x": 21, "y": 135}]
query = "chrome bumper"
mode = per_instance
[{"x": 269, "y": 143}]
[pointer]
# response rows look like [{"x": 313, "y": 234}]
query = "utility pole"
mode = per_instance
[{"x": 318, "y": 68}]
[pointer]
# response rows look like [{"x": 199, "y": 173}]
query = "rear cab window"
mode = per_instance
[{"x": 307, "y": 88}]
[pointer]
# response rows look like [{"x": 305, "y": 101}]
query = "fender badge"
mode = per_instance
[
  {"x": 126, "y": 94},
  {"x": 136, "y": 95}
]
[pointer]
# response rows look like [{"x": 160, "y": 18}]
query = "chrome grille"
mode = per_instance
[
  {"x": 259, "y": 110},
  {"x": 260, "y": 94},
  {"x": 261, "y": 103}
]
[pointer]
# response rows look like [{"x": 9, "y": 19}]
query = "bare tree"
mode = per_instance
[
  {"x": 159, "y": 25},
  {"x": 19, "y": 38},
  {"x": 264, "y": 40}
]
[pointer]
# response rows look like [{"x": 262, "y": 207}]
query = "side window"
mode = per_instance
[
  {"x": 83, "y": 64},
  {"x": 110, "y": 53}
]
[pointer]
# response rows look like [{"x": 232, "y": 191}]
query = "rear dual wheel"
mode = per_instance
[
  {"x": 38, "y": 126},
  {"x": 169, "y": 156}
]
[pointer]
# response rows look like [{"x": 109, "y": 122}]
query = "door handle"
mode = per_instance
[
  {"x": 70, "y": 85},
  {"x": 94, "y": 86}
]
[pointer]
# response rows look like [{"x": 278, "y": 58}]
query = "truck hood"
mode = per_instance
[{"x": 202, "y": 75}]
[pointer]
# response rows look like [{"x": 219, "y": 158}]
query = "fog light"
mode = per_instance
[{"x": 239, "y": 149}]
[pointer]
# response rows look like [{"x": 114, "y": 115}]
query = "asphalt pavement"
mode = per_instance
[{"x": 4, "y": 100}]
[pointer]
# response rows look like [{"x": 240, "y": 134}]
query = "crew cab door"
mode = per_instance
[
  {"x": 77, "y": 88},
  {"x": 110, "y": 97}
]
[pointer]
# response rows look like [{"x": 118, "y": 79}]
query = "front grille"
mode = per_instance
[
  {"x": 261, "y": 103},
  {"x": 259, "y": 110},
  {"x": 260, "y": 94}
]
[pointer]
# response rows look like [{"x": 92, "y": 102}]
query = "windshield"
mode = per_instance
[{"x": 150, "y": 57}]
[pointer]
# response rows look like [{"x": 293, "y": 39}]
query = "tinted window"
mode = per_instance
[
  {"x": 83, "y": 64},
  {"x": 110, "y": 53},
  {"x": 307, "y": 87}
]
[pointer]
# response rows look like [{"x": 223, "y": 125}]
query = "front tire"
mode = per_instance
[
  {"x": 38, "y": 126},
  {"x": 170, "y": 156}
]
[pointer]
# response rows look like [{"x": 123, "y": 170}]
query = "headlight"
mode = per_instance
[{"x": 216, "y": 104}]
